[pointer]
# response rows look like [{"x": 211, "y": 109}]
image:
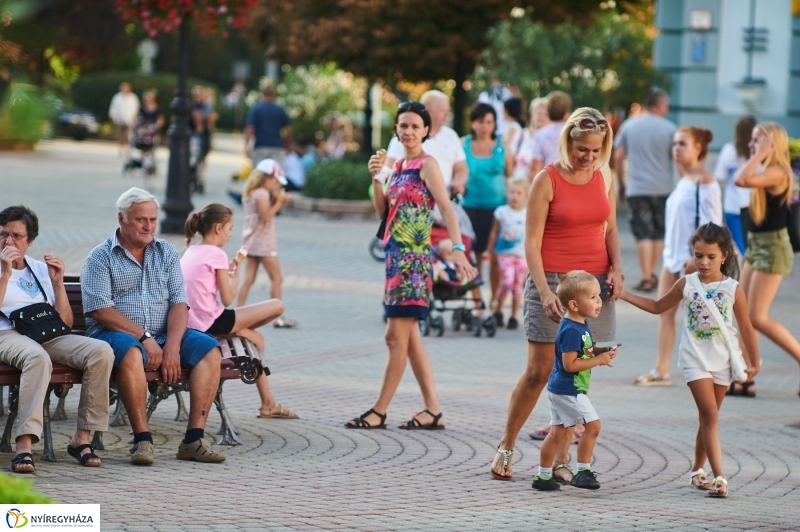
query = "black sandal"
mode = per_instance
[
  {"x": 414, "y": 424},
  {"x": 647, "y": 285},
  {"x": 83, "y": 459},
  {"x": 22, "y": 459},
  {"x": 361, "y": 422},
  {"x": 744, "y": 391}
]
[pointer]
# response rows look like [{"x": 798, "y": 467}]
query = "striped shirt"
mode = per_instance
[{"x": 143, "y": 293}]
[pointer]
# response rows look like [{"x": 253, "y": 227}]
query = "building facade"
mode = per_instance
[{"x": 728, "y": 58}]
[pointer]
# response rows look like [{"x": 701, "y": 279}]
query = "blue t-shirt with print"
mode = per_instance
[{"x": 571, "y": 336}]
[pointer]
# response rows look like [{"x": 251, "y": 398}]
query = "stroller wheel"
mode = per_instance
[
  {"x": 490, "y": 325},
  {"x": 424, "y": 327},
  {"x": 457, "y": 319},
  {"x": 437, "y": 324},
  {"x": 376, "y": 249},
  {"x": 476, "y": 326}
]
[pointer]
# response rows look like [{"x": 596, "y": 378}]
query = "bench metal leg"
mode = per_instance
[
  {"x": 229, "y": 432},
  {"x": 48, "y": 455},
  {"x": 97, "y": 441},
  {"x": 2, "y": 407},
  {"x": 156, "y": 396},
  {"x": 183, "y": 414},
  {"x": 13, "y": 400},
  {"x": 119, "y": 418},
  {"x": 60, "y": 414}
]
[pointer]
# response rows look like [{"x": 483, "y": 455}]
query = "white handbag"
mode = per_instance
[{"x": 738, "y": 364}]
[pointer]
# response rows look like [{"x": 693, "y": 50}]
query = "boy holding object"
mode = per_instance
[{"x": 575, "y": 357}]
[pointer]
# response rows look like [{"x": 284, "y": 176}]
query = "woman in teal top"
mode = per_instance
[{"x": 490, "y": 164}]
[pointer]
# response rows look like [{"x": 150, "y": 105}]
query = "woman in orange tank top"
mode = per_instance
[{"x": 571, "y": 225}]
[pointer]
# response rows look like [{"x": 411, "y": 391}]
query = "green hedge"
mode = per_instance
[
  {"x": 18, "y": 491},
  {"x": 345, "y": 179},
  {"x": 94, "y": 91},
  {"x": 24, "y": 117}
]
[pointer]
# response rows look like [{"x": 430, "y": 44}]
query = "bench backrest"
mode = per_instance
[{"x": 72, "y": 284}]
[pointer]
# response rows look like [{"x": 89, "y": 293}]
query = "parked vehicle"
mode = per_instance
[{"x": 76, "y": 123}]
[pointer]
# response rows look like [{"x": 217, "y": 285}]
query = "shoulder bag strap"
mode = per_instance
[
  {"x": 694, "y": 282},
  {"x": 697, "y": 206},
  {"x": 41, "y": 289}
]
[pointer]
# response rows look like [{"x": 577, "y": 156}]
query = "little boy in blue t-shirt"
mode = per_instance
[{"x": 576, "y": 355}]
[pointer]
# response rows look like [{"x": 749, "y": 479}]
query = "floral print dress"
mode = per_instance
[{"x": 409, "y": 270}]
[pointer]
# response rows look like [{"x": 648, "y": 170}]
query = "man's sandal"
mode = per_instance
[
  {"x": 414, "y": 424},
  {"x": 361, "y": 422},
  {"x": 562, "y": 480},
  {"x": 719, "y": 488},
  {"x": 742, "y": 389},
  {"x": 699, "y": 480},
  {"x": 506, "y": 454},
  {"x": 23, "y": 463},
  {"x": 83, "y": 459}
]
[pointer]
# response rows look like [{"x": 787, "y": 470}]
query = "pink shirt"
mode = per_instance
[{"x": 200, "y": 264}]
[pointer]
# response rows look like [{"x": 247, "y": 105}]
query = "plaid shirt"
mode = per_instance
[{"x": 144, "y": 293}]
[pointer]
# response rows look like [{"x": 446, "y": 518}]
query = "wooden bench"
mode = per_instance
[{"x": 241, "y": 359}]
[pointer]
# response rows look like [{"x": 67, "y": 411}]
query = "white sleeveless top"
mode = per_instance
[{"x": 702, "y": 344}]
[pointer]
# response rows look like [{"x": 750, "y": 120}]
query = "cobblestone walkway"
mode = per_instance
[{"x": 313, "y": 474}]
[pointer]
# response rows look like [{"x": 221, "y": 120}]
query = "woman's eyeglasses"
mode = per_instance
[
  {"x": 16, "y": 237},
  {"x": 600, "y": 124},
  {"x": 411, "y": 106}
]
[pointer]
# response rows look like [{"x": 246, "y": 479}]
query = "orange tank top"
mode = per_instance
[{"x": 574, "y": 236}]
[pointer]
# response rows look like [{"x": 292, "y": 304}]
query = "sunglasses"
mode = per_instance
[
  {"x": 590, "y": 123},
  {"x": 411, "y": 106}
]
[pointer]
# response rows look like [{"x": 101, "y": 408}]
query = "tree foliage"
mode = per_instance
[{"x": 605, "y": 65}]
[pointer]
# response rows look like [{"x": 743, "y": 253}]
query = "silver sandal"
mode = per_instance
[
  {"x": 506, "y": 454},
  {"x": 702, "y": 480}
]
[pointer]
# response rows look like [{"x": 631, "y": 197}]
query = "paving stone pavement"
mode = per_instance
[{"x": 313, "y": 474}]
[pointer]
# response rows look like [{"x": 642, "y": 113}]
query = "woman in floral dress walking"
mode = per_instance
[{"x": 415, "y": 185}]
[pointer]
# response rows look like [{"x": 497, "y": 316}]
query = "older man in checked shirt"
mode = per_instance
[{"x": 134, "y": 299}]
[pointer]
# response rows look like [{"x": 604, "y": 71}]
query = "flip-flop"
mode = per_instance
[
  {"x": 283, "y": 323},
  {"x": 280, "y": 415},
  {"x": 83, "y": 459}
]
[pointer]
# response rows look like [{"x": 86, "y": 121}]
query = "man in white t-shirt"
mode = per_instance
[
  {"x": 443, "y": 144},
  {"x": 122, "y": 112}
]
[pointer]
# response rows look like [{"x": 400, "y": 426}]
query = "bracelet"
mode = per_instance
[{"x": 460, "y": 247}]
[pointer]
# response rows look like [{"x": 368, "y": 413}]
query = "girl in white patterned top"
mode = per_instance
[{"x": 704, "y": 355}]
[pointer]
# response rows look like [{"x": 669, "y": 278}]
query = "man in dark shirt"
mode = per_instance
[{"x": 263, "y": 126}]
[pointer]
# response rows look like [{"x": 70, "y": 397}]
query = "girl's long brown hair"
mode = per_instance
[
  {"x": 779, "y": 158},
  {"x": 205, "y": 219}
]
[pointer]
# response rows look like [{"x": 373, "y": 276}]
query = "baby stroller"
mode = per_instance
[
  {"x": 144, "y": 137},
  {"x": 456, "y": 297}
]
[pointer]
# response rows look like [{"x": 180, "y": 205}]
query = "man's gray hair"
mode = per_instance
[
  {"x": 430, "y": 96},
  {"x": 132, "y": 196}
]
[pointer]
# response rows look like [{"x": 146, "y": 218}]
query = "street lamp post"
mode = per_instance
[{"x": 178, "y": 204}]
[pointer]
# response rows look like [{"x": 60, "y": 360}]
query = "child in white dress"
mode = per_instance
[{"x": 705, "y": 356}]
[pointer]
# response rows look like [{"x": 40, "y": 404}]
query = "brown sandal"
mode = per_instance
[
  {"x": 282, "y": 413},
  {"x": 562, "y": 480}
]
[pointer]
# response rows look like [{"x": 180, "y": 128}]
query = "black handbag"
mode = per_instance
[{"x": 40, "y": 322}]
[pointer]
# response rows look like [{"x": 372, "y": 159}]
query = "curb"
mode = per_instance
[{"x": 331, "y": 207}]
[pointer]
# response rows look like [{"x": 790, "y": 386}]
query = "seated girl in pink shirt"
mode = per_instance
[{"x": 207, "y": 272}]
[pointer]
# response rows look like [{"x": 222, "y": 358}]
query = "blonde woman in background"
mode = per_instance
[
  {"x": 524, "y": 154},
  {"x": 769, "y": 254}
]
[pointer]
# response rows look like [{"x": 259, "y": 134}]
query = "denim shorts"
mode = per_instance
[{"x": 194, "y": 346}]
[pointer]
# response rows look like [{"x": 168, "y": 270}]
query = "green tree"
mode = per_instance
[
  {"x": 605, "y": 65},
  {"x": 415, "y": 40}
]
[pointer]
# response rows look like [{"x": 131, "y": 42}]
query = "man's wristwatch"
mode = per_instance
[{"x": 145, "y": 336}]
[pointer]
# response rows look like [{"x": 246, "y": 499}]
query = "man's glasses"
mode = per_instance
[
  {"x": 590, "y": 123},
  {"x": 411, "y": 106},
  {"x": 15, "y": 236}
]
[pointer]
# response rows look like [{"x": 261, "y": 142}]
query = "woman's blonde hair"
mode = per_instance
[
  {"x": 255, "y": 181},
  {"x": 779, "y": 158},
  {"x": 572, "y": 131}
]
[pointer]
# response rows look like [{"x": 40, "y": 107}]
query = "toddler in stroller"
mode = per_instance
[
  {"x": 448, "y": 289},
  {"x": 144, "y": 137}
]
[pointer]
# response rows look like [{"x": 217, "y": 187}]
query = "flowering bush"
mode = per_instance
[{"x": 165, "y": 15}]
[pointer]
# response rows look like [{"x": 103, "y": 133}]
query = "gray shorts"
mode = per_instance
[
  {"x": 540, "y": 328},
  {"x": 267, "y": 152},
  {"x": 571, "y": 410}
]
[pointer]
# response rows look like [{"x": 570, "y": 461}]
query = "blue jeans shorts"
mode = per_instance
[{"x": 194, "y": 346}]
